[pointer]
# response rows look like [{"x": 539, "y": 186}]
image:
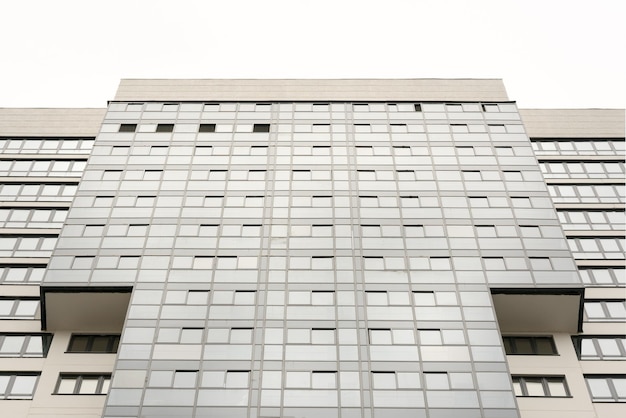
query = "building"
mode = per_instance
[{"x": 312, "y": 248}]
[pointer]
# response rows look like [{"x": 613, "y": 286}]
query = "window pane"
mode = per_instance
[
  {"x": 544, "y": 346},
  {"x": 105, "y": 385},
  {"x": 534, "y": 387},
  {"x": 523, "y": 346},
  {"x": 100, "y": 344},
  {"x": 23, "y": 385},
  {"x": 599, "y": 388},
  {"x": 67, "y": 385},
  {"x": 384, "y": 380},
  {"x": 237, "y": 379},
  {"x": 88, "y": 385},
  {"x": 4, "y": 382},
  {"x": 12, "y": 344},
  {"x": 620, "y": 387},
  {"x": 35, "y": 345},
  {"x": 79, "y": 343},
  {"x": 608, "y": 347},
  {"x": 557, "y": 387}
]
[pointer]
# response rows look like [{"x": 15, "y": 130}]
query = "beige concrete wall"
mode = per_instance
[
  {"x": 574, "y": 123},
  {"x": 312, "y": 89},
  {"x": 45, "y": 403},
  {"x": 567, "y": 364},
  {"x": 50, "y": 122}
]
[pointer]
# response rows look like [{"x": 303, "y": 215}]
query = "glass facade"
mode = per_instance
[
  {"x": 339, "y": 258},
  {"x": 312, "y": 259}
]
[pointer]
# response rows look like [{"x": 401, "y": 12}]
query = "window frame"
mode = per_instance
[
  {"x": 11, "y": 382},
  {"x": 532, "y": 339},
  {"x": 164, "y": 128},
  {"x": 261, "y": 128},
  {"x": 79, "y": 378},
  {"x": 577, "y": 340},
  {"x": 609, "y": 379},
  {"x": 127, "y": 127},
  {"x": 46, "y": 341},
  {"x": 111, "y": 347},
  {"x": 522, "y": 379}
]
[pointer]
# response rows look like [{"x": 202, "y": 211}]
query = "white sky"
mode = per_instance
[{"x": 550, "y": 53}]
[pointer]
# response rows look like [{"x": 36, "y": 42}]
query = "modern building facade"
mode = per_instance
[{"x": 312, "y": 248}]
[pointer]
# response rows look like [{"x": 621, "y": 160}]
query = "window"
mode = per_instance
[
  {"x": 579, "y": 147},
  {"x": 418, "y": 107},
  {"x": 447, "y": 381},
  {"x": 607, "y": 388},
  {"x": 230, "y": 336},
  {"x": 94, "y": 343},
  {"x": 128, "y": 127},
  {"x": 22, "y": 273},
  {"x": 315, "y": 297},
  {"x": 237, "y": 297},
  {"x": 395, "y": 380},
  {"x": 386, "y": 336},
  {"x": 605, "y": 347},
  {"x": 230, "y": 379},
  {"x": 540, "y": 386},
  {"x": 488, "y": 107},
  {"x": 261, "y": 127},
  {"x": 207, "y": 127},
  {"x": 538, "y": 346},
  {"x": 165, "y": 127},
  {"x": 599, "y": 276},
  {"x": 18, "y": 385},
  {"x": 312, "y": 380},
  {"x": 605, "y": 310},
  {"x": 83, "y": 384},
  {"x": 24, "y": 345},
  {"x": 592, "y": 220},
  {"x": 185, "y": 378},
  {"x": 320, "y": 336},
  {"x": 12, "y": 308}
]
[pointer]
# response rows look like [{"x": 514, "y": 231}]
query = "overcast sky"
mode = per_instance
[{"x": 550, "y": 53}]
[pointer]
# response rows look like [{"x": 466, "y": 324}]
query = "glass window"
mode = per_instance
[
  {"x": 83, "y": 384},
  {"x": 261, "y": 127},
  {"x": 540, "y": 386},
  {"x": 603, "y": 347},
  {"x": 24, "y": 345},
  {"x": 206, "y": 127},
  {"x": 607, "y": 388},
  {"x": 128, "y": 127},
  {"x": 14, "y": 308},
  {"x": 530, "y": 345},
  {"x": 94, "y": 343},
  {"x": 605, "y": 310},
  {"x": 165, "y": 127},
  {"x": 18, "y": 385}
]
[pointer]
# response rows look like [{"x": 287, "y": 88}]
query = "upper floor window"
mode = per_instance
[
  {"x": 605, "y": 310},
  {"x": 83, "y": 384},
  {"x": 18, "y": 308},
  {"x": 94, "y": 343},
  {"x": 24, "y": 345},
  {"x": 261, "y": 127},
  {"x": 165, "y": 127},
  {"x": 528, "y": 345},
  {"x": 607, "y": 388},
  {"x": 540, "y": 386},
  {"x": 18, "y": 385},
  {"x": 605, "y": 347},
  {"x": 127, "y": 127}
]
